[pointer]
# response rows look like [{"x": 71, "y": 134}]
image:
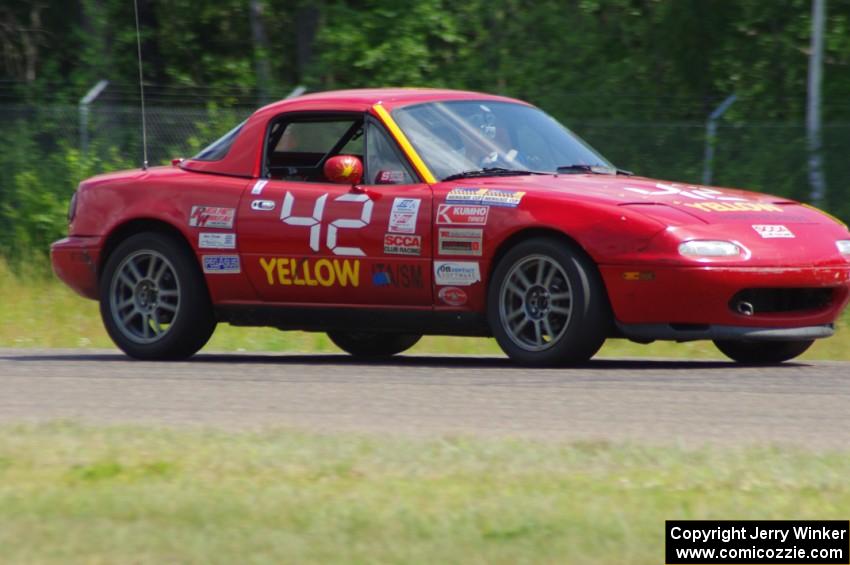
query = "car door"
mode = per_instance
[{"x": 305, "y": 240}]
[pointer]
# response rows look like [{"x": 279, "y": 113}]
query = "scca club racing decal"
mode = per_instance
[
  {"x": 485, "y": 197},
  {"x": 211, "y": 217},
  {"x": 453, "y": 214},
  {"x": 458, "y": 241},
  {"x": 287, "y": 271},
  {"x": 403, "y": 216},
  {"x": 773, "y": 231},
  {"x": 452, "y": 296},
  {"x": 456, "y": 273},
  {"x": 397, "y": 276},
  {"x": 397, "y": 244},
  {"x": 219, "y": 264}
]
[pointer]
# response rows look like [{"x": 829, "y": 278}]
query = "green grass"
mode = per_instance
[
  {"x": 76, "y": 494},
  {"x": 39, "y": 311}
]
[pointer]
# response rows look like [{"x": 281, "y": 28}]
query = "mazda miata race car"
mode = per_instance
[{"x": 379, "y": 216}]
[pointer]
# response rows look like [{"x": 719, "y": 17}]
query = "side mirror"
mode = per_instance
[{"x": 344, "y": 169}]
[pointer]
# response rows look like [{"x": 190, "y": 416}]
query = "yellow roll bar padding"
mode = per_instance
[{"x": 402, "y": 140}]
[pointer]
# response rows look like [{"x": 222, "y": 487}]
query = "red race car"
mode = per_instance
[{"x": 378, "y": 216}]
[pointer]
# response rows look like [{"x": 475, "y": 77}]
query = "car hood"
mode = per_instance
[{"x": 669, "y": 202}]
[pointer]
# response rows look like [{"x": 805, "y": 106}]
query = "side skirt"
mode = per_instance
[{"x": 320, "y": 319}]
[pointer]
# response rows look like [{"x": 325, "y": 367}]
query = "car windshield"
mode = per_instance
[
  {"x": 219, "y": 148},
  {"x": 464, "y": 137}
]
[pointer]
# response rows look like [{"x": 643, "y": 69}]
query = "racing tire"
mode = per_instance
[
  {"x": 153, "y": 298},
  {"x": 373, "y": 344},
  {"x": 762, "y": 352},
  {"x": 546, "y": 304}
]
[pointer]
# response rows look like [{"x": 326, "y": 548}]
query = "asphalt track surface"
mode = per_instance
[{"x": 656, "y": 401}]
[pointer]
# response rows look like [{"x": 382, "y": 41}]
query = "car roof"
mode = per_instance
[
  {"x": 388, "y": 97},
  {"x": 243, "y": 158}
]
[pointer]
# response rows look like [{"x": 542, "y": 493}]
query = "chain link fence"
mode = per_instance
[{"x": 48, "y": 149}]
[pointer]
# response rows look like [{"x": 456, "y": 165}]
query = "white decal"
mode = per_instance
[
  {"x": 259, "y": 186},
  {"x": 773, "y": 231},
  {"x": 457, "y": 273},
  {"x": 216, "y": 264},
  {"x": 403, "y": 216},
  {"x": 456, "y": 241},
  {"x": 485, "y": 196},
  {"x": 690, "y": 191},
  {"x": 314, "y": 222},
  {"x": 262, "y": 205},
  {"x": 450, "y": 214},
  {"x": 212, "y": 217},
  {"x": 217, "y": 240},
  {"x": 397, "y": 244}
]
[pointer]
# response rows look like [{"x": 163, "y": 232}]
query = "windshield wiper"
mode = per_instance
[
  {"x": 490, "y": 172},
  {"x": 593, "y": 169}
]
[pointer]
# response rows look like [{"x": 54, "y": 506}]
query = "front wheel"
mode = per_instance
[
  {"x": 153, "y": 298},
  {"x": 762, "y": 352},
  {"x": 546, "y": 304},
  {"x": 373, "y": 344}
]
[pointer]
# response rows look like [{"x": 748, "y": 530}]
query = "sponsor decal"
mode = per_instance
[
  {"x": 452, "y": 296},
  {"x": 212, "y": 217},
  {"x": 403, "y": 215},
  {"x": 259, "y": 186},
  {"x": 217, "y": 240},
  {"x": 734, "y": 206},
  {"x": 456, "y": 273},
  {"x": 262, "y": 205},
  {"x": 773, "y": 231},
  {"x": 451, "y": 214},
  {"x": 485, "y": 197},
  {"x": 397, "y": 244},
  {"x": 390, "y": 177},
  {"x": 687, "y": 191},
  {"x": 457, "y": 241},
  {"x": 288, "y": 271},
  {"x": 216, "y": 264},
  {"x": 398, "y": 276}
]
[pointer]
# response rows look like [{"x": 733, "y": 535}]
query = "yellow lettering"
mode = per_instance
[
  {"x": 268, "y": 267},
  {"x": 298, "y": 281},
  {"x": 326, "y": 278},
  {"x": 348, "y": 273},
  {"x": 283, "y": 272}
]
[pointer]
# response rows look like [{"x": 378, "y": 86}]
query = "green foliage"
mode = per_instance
[{"x": 636, "y": 78}]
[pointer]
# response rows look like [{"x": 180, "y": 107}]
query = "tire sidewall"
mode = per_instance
[
  {"x": 194, "y": 320},
  {"x": 590, "y": 318}
]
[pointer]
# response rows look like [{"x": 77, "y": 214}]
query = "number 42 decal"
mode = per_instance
[{"x": 314, "y": 222}]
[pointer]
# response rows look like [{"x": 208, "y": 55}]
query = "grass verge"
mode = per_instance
[
  {"x": 39, "y": 311},
  {"x": 72, "y": 493}
]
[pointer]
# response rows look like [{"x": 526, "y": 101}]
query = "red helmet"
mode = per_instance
[{"x": 344, "y": 169}]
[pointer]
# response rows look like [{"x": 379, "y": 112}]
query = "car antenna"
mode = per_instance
[{"x": 141, "y": 90}]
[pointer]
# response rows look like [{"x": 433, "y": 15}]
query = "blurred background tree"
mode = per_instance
[{"x": 636, "y": 78}]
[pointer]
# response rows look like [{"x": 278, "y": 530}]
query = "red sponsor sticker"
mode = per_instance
[{"x": 452, "y": 296}]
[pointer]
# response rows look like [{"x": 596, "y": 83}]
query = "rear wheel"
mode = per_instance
[
  {"x": 546, "y": 304},
  {"x": 153, "y": 299},
  {"x": 762, "y": 352},
  {"x": 373, "y": 344}
]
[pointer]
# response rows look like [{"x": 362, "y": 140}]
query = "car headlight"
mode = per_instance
[
  {"x": 709, "y": 248},
  {"x": 843, "y": 246}
]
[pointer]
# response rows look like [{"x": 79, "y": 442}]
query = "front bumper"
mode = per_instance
[
  {"x": 75, "y": 261},
  {"x": 701, "y": 296},
  {"x": 686, "y": 332}
]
